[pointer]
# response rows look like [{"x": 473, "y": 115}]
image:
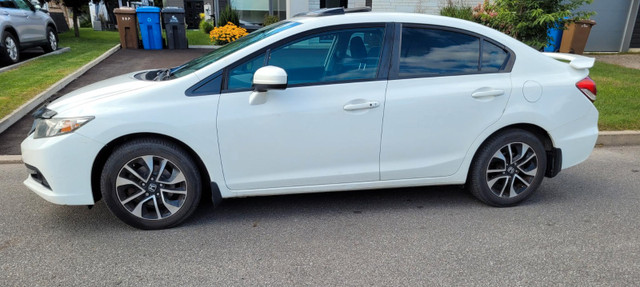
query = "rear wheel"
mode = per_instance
[
  {"x": 10, "y": 48},
  {"x": 151, "y": 184},
  {"x": 508, "y": 168},
  {"x": 52, "y": 41}
]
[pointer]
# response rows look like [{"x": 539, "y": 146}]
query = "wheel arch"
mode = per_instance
[
  {"x": 208, "y": 187},
  {"x": 13, "y": 32},
  {"x": 536, "y": 130}
]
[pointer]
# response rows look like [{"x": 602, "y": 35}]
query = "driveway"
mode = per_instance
[
  {"x": 579, "y": 229},
  {"x": 123, "y": 61}
]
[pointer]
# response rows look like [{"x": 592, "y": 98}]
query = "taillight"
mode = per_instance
[{"x": 588, "y": 87}]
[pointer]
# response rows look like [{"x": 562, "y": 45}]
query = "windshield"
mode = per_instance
[{"x": 225, "y": 50}]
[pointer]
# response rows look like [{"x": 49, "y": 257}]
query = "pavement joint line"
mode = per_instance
[
  {"x": 605, "y": 138},
  {"x": 17, "y": 65},
  {"x": 23, "y": 110}
]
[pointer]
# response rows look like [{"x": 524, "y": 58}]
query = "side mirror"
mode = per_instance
[{"x": 265, "y": 79}]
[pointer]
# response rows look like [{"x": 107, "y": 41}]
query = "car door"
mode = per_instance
[
  {"x": 27, "y": 22},
  {"x": 323, "y": 129},
  {"x": 448, "y": 86}
]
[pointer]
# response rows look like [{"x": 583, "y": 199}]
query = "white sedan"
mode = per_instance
[{"x": 326, "y": 101}]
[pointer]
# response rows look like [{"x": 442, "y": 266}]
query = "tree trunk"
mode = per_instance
[{"x": 76, "y": 30}]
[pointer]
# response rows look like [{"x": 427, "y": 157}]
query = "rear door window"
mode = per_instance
[{"x": 434, "y": 52}]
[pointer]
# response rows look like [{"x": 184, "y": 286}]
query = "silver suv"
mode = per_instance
[{"x": 22, "y": 26}]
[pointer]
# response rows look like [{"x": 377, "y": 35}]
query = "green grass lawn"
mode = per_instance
[
  {"x": 197, "y": 37},
  {"x": 618, "y": 99},
  {"x": 25, "y": 82}
]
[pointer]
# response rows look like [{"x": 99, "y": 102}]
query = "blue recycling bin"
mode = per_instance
[
  {"x": 149, "y": 19},
  {"x": 555, "y": 37}
]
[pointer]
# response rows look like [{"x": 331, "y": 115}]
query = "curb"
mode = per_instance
[
  {"x": 204, "y": 47},
  {"x": 606, "y": 138},
  {"x": 10, "y": 159},
  {"x": 618, "y": 138},
  {"x": 16, "y": 65},
  {"x": 23, "y": 110}
]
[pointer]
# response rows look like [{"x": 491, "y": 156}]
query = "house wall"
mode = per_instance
[{"x": 410, "y": 6}]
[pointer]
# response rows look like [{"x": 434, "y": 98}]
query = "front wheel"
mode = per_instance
[
  {"x": 508, "y": 168},
  {"x": 151, "y": 184},
  {"x": 11, "y": 48},
  {"x": 52, "y": 41}
]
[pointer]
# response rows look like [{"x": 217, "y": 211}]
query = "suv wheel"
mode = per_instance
[
  {"x": 11, "y": 49},
  {"x": 52, "y": 41}
]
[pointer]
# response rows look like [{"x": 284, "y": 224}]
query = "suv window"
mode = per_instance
[
  {"x": 23, "y": 5},
  {"x": 429, "y": 52},
  {"x": 342, "y": 55},
  {"x": 7, "y": 4}
]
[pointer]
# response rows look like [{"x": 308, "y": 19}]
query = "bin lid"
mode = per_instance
[
  {"x": 172, "y": 10},
  {"x": 124, "y": 10},
  {"x": 148, "y": 9}
]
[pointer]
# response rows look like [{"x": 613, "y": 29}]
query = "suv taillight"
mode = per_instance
[{"x": 588, "y": 87}]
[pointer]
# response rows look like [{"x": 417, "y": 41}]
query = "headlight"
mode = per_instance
[{"x": 60, "y": 126}]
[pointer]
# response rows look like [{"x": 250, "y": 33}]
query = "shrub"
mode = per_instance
[
  {"x": 457, "y": 11},
  {"x": 529, "y": 20},
  {"x": 228, "y": 15},
  {"x": 270, "y": 19},
  {"x": 206, "y": 26},
  {"x": 227, "y": 34}
]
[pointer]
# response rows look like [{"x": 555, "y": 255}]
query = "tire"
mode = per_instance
[
  {"x": 10, "y": 53},
  {"x": 52, "y": 41},
  {"x": 508, "y": 168},
  {"x": 159, "y": 199}
]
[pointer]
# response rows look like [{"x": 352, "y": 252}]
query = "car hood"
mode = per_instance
[{"x": 117, "y": 86}]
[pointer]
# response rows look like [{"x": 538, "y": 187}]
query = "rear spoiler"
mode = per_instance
[{"x": 577, "y": 62}]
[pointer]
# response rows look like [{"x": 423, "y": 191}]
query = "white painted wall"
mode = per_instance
[{"x": 410, "y": 6}]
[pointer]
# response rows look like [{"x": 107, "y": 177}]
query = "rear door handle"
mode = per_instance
[
  {"x": 487, "y": 94},
  {"x": 361, "y": 106}
]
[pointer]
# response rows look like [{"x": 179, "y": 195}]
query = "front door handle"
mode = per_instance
[
  {"x": 488, "y": 93},
  {"x": 361, "y": 106}
]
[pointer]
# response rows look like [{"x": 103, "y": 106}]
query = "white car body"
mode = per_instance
[{"x": 425, "y": 131}]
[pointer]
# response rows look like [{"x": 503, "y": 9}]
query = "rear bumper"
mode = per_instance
[{"x": 577, "y": 138}]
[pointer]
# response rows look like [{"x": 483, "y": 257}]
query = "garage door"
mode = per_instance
[{"x": 611, "y": 18}]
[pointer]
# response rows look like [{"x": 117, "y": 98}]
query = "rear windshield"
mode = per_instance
[{"x": 199, "y": 63}]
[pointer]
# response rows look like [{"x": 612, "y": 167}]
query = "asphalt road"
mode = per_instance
[{"x": 580, "y": 229}]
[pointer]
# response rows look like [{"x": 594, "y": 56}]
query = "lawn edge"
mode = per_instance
[
  {"x": 23, "y": 110},
  {"x": 18, "y": 65}
]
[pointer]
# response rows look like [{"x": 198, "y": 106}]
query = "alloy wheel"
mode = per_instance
[
  {"x": 151, "y": 187},
  {"x": 12, "y": 48},
  {"x": 53, "y": 42},
  {"x": 512, "y": 169}
]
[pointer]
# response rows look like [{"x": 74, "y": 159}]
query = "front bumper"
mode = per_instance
[{"x": 65, "y": 162}]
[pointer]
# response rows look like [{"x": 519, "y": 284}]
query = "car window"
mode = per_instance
[
  {"x": 7, "y": 4},
  {"x": 231, "y": 48},
  {"x": 241, "y": 76},
  {"x": 343, "y": 55},
  {"x": 434, "y": 52},
  {"x": 22, "y": 5},
  {"x": 494, "y": 58}
]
